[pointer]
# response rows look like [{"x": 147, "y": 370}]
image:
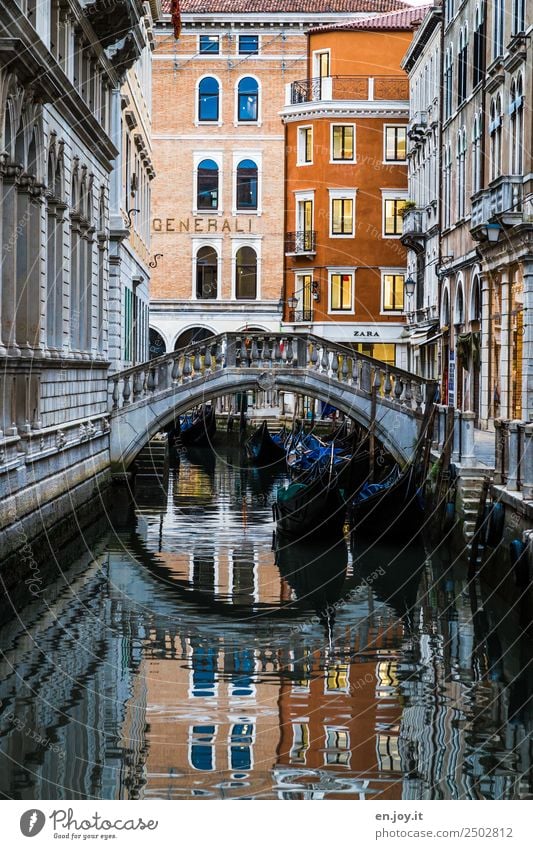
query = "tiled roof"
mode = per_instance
[
  {"x": 200, "y": 7},
  {"x": 402, "y": 19}
]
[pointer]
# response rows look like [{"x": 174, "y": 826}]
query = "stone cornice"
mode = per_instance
[{"x": 345, "y": 109}]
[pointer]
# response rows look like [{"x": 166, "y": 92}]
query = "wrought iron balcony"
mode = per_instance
[
  {"x": 301, "y": 315},
  {"x": 348, "y": 88},
  {"x": 302, "y": 242},
  {"x": 501, "y": 201}
]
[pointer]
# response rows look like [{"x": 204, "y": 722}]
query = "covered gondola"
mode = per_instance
[
  {"x": 312, "y": 507},
  {"x": 262, "y": 449},
  {"x": 391, "y": 507},
  {"x": 198, "y": 428}
]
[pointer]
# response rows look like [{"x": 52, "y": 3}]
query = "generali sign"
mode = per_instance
[{"x": 202, "y": 225}]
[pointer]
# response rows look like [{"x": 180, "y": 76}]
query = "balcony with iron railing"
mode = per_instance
[
  {"x": 304, "y": 314},
  {"x": 347, "y": 88},
  {"x": 300, "y": 243}
]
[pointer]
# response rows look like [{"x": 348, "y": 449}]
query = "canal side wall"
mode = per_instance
[{"x": 45, "y": 487}]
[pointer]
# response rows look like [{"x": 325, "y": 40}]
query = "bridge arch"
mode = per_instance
[{"x": 147, "y": 397}]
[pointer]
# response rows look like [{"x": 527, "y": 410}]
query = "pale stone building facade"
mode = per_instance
[
  {"x": 421, "y": 219},
  {"x": 62, "y": 65}
]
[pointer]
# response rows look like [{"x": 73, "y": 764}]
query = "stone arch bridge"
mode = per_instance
[{"x": 146, "y": 397}]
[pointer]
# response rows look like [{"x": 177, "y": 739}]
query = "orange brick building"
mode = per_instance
[
  {"x": 346, "y": 184},
  {"x": 218, "y": 141}
]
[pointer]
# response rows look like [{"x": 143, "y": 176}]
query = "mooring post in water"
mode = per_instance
[{"x": 476, "y": 550}]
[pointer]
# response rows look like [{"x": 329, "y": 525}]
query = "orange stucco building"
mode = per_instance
[{"x": 346, "y": 184}]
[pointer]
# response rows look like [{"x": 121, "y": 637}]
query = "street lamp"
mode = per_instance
[
  {"x": 493, "y": 232},
  {"x": 409, "y": 285}
]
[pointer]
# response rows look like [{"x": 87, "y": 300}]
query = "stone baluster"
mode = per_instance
[
  {"x": 514, "y": 455},
  {"x": 398, "y": 389},
  {"x": 324, "y": 360},
  {"x": 283, "y": 350},
  {"x": 197, "y": 364},
  {"x": 187, "y": 368},
  {"x": 268, "y": 352},
  {"x": 468, "y": 453},
  {"x": 289, "y": 352},
  {"x": 418, "y": 397},
  {"x": 387, "y": 385},
  {"x": 355, "y": 372},
  {"x": 207, "y": 359},
  {"x": 176, "y": 369},
  {"x": 116, "y": 394},
  {"x": 366, "y": 379},
  {"x": 151, "y": 380},
  {"x": 313, "y": 355},
  {"x": 407, "y": 396},
  {"x": 456, "y": 447},
  {"x": 344, "y": 369},
  {"x": 126, "y": 391},
  {"x": 335, "y": 365},
  {"x": 255, "y": 353},
  {"x": 527, "y": 463},
  {"x": 376, "y": 383},
  {"x": 219, "y": 357},
  {"x": 277, "y": 351},
  {"x": 138, "y": 382}
]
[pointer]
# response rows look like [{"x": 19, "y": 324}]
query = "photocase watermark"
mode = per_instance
[
  {"x": 32, "y": 822},
  {"x": 41, "y": 739},
  {"x": 34, "y": 580}
]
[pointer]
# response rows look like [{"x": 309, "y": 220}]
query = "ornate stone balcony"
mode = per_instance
[{"x": 501, "y": 202}]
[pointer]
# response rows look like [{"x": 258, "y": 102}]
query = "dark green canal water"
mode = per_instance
[{"x": 181, "y": 654}]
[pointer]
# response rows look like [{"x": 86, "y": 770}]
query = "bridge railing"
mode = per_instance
[{"x": 268, "y": 354}]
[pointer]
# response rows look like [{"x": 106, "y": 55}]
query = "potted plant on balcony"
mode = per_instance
[{"x": 407, "y": 207}]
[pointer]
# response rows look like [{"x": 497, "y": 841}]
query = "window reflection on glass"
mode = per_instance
[
  {"x": 387, "y": 752},
  {"x": 343, "y": 143},
  {"x": 208, "y": 97},
  {"x": 300, "y": 742},
  {"x": 241, "y": 739},
  {"x": 341, "y": 291},
  {"x": 248, "y": 99},
  {"x": 246, "y": 184},
  {"x": 204, "y": 662},
  {"x": 393, "y": 216},
  {"x": 202, "y": 754},
  {"x": 337, "y": 747},
  {"x": 337, "y": 677},
  {"x": 207, "y": 185},
  {"x": 395, "y": 144},
  {"x": 393, "y": 292}
]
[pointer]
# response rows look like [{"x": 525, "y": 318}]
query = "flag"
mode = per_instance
[{"x": 175, "y": 15}]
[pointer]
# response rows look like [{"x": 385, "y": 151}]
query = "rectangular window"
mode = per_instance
[
  {"x": 393, "y": 217},
  {"x": 248, "y": 44},
  {"x": 341, "y": 292},
  {"x": 305, "y": 145},
  {"x": 395, "y": 144},
  {"x": 393, "y": 292},
  {"x": 343, "y": 143},
  {"x": 304, "y": 293},
  {"x": 304, "y": 236},
  {"x": 209, "y": 44},
  {"x": 342, "y": 216},
  {"x": 322, "y": 64}
]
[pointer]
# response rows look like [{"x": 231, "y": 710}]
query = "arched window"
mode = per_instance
[
  {"x": 192, "y": 336},
  {"x": 206, "y": 273},
  {"x": 495, "y": 131},
  {"x": 248, "y": 99},
  {"x": 479, "y": 46},
  {"x": 475, "y": 305},
  {"x": 246, "y": 274},
  {"x": 459, "y": 311},
  {"x": 445, "y": 312},
  {"x": 516, "y": 111},
  {"x": 207, "y": 185},
  {"x": 208, "y": 99},
  {"x": 156, "y": 344},
  {"x": 246, "y": 184},
  {"x": 476, "y": 155}
]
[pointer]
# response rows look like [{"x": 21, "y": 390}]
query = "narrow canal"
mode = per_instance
[{"x": 182, "y": 656}]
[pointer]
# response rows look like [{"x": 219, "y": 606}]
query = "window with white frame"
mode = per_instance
[
  {"x": 495, "y": 133},
  {"x": 393, "y": 205},
  {"x": 516, "y": 112},
  {"x": 392, "y": 290},
  {"x": 395, "y": 144},
  {"x": 461, "y": 173},
  {"x": 519, "y": 16},
  {"x": 304, "y": 235},
  {"x": 498, "y": 26},
  {"x": 343, "y": 143},
  {"x": 209, "y": 100},
  {"x": 476, "y": 155},
  {"x": 341, "y": 290},
  {"x": 246, "y": 186},
  {"x": 305, "y": 146},
  {"x": 248, "y": 45},
  {"x": 342, "y": 213},
  {"x": 208, "y": 44},
  {"x": 303, "y": 291},
  {"x": 247, "y": 100},
  {"x": 246, "y": 273}
]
